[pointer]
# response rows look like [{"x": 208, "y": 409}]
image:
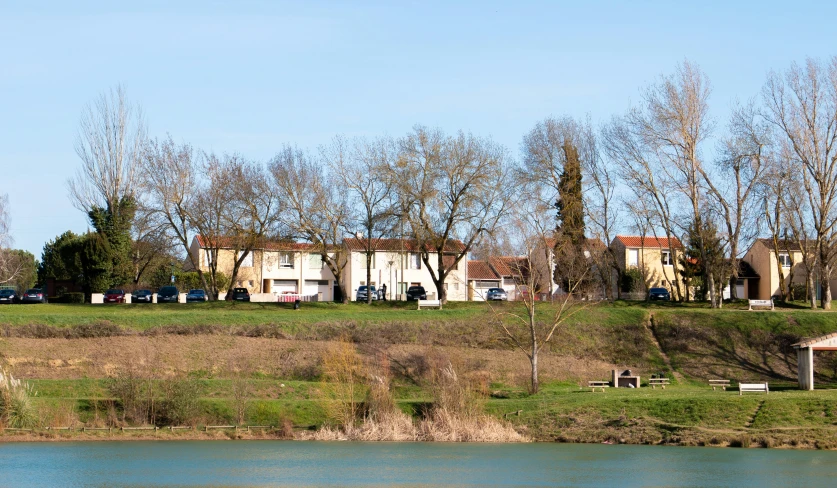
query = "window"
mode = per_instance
[
  {"x": 784, "y": 258},
  {"x": 315, "y": 261},
  {"x": 666, "y": 258},
  {"x": 402, "y": 287},
  {"x": 363, "y": 261},
  {"x": 415, "y": 261},
  {"x": 248, "y": 261},
  {"x": 286, "y": 260},
  {"x": 633, "y": 257},
  {"x": 208, "y": 256}
]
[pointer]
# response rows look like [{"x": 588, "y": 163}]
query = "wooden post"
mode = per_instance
[{"x": 805, "y": 365}]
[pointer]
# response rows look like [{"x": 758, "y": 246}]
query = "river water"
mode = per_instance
[{"x": 278, "y": 463}]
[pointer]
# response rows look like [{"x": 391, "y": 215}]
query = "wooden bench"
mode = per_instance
[
  {"x": 598, "y": 384},
  {"x": 761, "y": 303},
  {"x": 742, "y": 387},
  {"x": 723, "y": 384},
  {"x": 429, "y": 303},
  {"x": 661, "y": 382}
]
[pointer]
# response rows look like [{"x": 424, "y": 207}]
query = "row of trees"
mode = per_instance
[{"x": 661, "y": 169}]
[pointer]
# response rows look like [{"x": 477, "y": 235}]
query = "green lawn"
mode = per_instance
[{"x": 691, "y": 413}]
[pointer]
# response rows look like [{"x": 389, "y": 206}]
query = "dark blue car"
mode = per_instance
[{"x": 658, "y": 294}]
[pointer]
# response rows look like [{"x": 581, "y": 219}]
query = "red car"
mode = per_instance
[{"x": 114, "y": 296}]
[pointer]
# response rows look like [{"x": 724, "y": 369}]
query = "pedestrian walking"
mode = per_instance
[{"x": 384, "y": 291}]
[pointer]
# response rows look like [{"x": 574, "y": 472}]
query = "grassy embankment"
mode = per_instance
[{"x": 68, "y": 350}]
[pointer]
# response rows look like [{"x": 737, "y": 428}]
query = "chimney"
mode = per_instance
[{"x": 359, "y": 235}]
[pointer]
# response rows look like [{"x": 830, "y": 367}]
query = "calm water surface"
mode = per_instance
[{"x": 275, "y": 463}]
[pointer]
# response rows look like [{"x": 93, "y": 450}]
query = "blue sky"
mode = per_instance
[{"x": 250, "y": 76}]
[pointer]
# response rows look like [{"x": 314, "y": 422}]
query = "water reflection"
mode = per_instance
[{"x": 276, "y": 463}]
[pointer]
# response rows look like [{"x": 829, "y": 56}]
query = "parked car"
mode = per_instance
[
  {"x": 416, "y": 293},
  {"x": 8, "y": 296},
  {"x": 659, "y": 294},
  {"x": 196, "y": 295},
  {"x": 114, "y": 296},
  {"x": 241, "y": 294},
  {"x": 362, "y": 293},
  {"x": 142, "y": 296},
  {"x": 33, "y": 295},
  {"x": 168, "y": 294},
  {"x": 496, "y": 294}
]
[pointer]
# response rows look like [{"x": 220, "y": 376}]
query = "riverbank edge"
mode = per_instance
[{"x": 763, "y": 439}]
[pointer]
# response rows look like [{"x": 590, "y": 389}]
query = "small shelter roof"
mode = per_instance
[{"x": 828, "y": 340}]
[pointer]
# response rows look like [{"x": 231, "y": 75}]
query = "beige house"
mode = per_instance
[
  {"x": 276, "y": 268},
  {"x": 397, "y": 264},
  {"x": 651, "y": 254},
  {"x": 762, "y": 257},
  {"x": 481, "y": 277}
]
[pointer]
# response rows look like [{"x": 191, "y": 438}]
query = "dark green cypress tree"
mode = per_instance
[
  {"x": 570, "y": 205},
  {"x": 571, "y": 263}
]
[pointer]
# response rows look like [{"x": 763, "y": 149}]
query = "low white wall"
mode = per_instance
[
  {"x": 128, "y": 298},
  {"x": 262, "y": 297},
  {"x": 97, "y": 298}
]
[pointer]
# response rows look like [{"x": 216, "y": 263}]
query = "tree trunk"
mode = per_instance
[
  {"x": 826, "y": 285},
  {"x": 368, "y": 278},
  {"x": 812, "y": 295},
  {"x": 535, "y": 384}
]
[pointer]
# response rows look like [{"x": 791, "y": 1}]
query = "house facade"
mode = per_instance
[
  {"x": 397, "y": 263},
  {"x": 481, "y": 277},
  {"x": 762, "y": 257},
  {"x": 651, "y": 255},
  {"x": 276, "y": 268}
]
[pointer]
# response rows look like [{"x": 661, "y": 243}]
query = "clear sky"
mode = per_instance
[{"x": 250, "y": 76}]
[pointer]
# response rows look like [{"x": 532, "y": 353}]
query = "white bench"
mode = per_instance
[
  {"x": 429, "y": 303},
  {"x": 761, "y": 303},
  {"x": 742, "y": 387},
  {"x": 598, "y": 384},
  {"x": 723, "y": 384},
  {"x": 661, "y": 382}
]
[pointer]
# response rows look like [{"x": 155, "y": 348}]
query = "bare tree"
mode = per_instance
[
  {"x": 451, "y": 188},
  {"x": 170, "y": 178},
  {"x": 109, "y": 143},
  {"x": 733, "y": 185},
  {"x": 252, "y": 212},
  {"x": 363, "y": 170},
  {"x": 317, "y": 206},
  {"x": 802, "y": 106},
  {"x": 209, "y": 213},
  {"x": 532, "y": 328},
  {"x": 639, "y": 167}
]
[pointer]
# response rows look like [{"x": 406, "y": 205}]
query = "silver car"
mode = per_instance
[{"x": 496, "y": 294}]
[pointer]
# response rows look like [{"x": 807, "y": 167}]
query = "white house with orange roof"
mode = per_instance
[
  {"x": 275, "y": 268},
  {"x": 398, "y": 264}
]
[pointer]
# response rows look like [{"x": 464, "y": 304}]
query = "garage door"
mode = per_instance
[
  {"x": 284, "y": 286},
  {"x": 315, "y": 287}
]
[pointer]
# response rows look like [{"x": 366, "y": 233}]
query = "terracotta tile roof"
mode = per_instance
[
  {"x": 790, "y": 245},
  {"x": 509, "y": 265},
  {"x": 650, "y": 241},
  {"x": 480, "y": 270},
  {"x": 409, "y": 245},
  {"x": 278, "y": 245}
]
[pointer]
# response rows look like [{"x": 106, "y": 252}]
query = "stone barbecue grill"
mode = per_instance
[{"x": 624, "y": 380}]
